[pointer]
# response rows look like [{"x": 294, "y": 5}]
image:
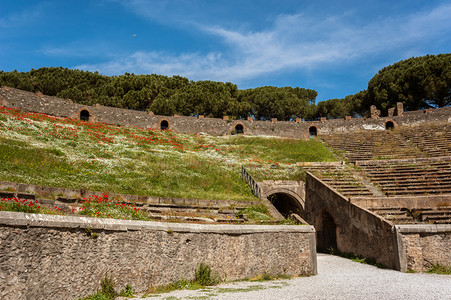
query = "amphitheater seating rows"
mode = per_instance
[
  {"x": 432, "y": 139},
  {"x": 367, "y": 145},
  {"x": 439, "y": 215},
  {"x": 410, "y": 178},
  {"x": 342, "y": 179}
]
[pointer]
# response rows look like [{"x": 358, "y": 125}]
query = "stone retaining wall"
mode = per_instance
[
  {"x": 25, "y": 190},
  {"x": 421, "y": 246},
  {"x": 355, "y": 229},
  {"x": 39, "y": 103},
  {"x": 61, "y": 257}
]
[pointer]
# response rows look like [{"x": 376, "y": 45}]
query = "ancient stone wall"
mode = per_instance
[
  {"x": 409, "y": 202},
  {"x": 421, "y": 246},
  {"x": 33, "y": 102},
  {"x": 355, "y": 229},
  {"x": 63, "y": 257}
]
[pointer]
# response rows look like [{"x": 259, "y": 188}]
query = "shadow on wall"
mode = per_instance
[
  {"x": 286, "y": 204},
  {"x": 313, "y": 131},
  {"x": 326, "y": 233},
  {"x": 239, "y": 129},
  {"x": 164, "y": 125},
  {"x": 389, "y": 125},
  {"x": 84, "y": 115}
]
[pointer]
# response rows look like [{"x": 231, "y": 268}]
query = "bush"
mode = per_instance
[{"x": 203, "y": 275}]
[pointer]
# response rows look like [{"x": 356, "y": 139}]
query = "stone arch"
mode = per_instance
[
  {"x": 164, "y": 124},
  {"x": 286, "y": 201},
  {"x": 390, "y": 125},
  {"x": 238, "y": 128},
  {"x": 84, "y": 115},
  {"x": 326, "y": 232},
  {"x": 312, "y": 131}
]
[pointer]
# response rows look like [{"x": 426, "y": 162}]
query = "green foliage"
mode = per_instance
[
  {"x": 107, "y": 287},
  {"x": 256, "y": 213},
  {"x": 418, "y": 82},
  {"x": 164, "y": 95},
  {"x": 43, "y": 150},
  {"x": 281, "y": 103},
  {"x": 439, "y": 269},
  {"x": 106, "y": 291},
  {"x": 127, "y": 291},
  {"x": 204, "y": 277}
]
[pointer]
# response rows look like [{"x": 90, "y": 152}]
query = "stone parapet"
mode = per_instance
[{"x": 66, "y": 257}]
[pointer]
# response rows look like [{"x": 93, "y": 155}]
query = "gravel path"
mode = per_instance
[{"x": 337, "y": 278}]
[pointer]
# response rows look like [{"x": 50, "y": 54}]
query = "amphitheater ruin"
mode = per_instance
[{"x": 389, "y": 199}]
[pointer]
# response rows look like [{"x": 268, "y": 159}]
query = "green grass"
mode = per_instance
[
  {"x": 256, "y": 213},
  {"x": 44, "y": 150},
  {"x": 107, "y": 290},
  {"x": 439, "y": 269},
  {"x": 203, "y": 277},
  {"x": 25, "y": 206}
]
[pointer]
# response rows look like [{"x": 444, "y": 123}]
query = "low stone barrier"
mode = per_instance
[
  {"x": 422, "y": 246},
  {"x": 66, "y": 257}
]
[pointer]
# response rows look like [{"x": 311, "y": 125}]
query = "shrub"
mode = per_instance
[
  {"x": 439, "y": 269},
  {"x": 203, "y": 275}
]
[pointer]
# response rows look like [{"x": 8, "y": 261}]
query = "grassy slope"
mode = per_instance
[{"x": 45, "y": 150}]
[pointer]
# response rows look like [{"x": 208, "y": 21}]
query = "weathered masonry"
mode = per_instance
[
  {"x": 63, "y": 257},
  {"x": 351, "y": 225},
  {"x": 35, "y": 102}
]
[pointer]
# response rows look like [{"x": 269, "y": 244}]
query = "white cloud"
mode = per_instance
[
  {"x": 21, "y": 18},
  {"x": 293, "y": 42}
]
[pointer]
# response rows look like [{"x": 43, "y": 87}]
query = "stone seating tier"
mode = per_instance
[
  {"x": 341, "y": 179},
  {"x": 432, "y": 139},
  {"x": 410, "y": 178},
  {"x": 368, "y": 145}
]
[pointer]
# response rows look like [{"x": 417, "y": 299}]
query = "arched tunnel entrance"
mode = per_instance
[
  {"x": 286, "y": 204},
  {"x": 84, "y": 115},
  {"x": 326, "y": 233}
]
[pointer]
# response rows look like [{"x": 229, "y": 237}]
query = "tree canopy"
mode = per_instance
[
  {"x": 165, "y": 95},
  {"x": 418, "y": 82}
]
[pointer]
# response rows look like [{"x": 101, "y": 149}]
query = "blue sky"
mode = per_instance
[{"x": 334, "y": 47}]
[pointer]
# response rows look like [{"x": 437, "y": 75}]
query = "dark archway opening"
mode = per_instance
[
  {"x": 239, "y": 129},
  {"x": 326, "y": 233},
  {"x": 313, "y": 131},
  {"x": 164, "y": 125},
  {"x": 84, "y": 115},
  {"x": 389, "y": 125},
  {"x": 286, "y": 204}
]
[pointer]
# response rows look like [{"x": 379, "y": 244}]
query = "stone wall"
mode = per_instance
[
  {"x": 354, "y": 228},
  {"x": 421, "y": 246},
  {"x": 409, "y": 202},
  {"x": 34, "y": 102},
  {"x": 58, "y": 257},
  {"x": 25, "y": 190}
]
